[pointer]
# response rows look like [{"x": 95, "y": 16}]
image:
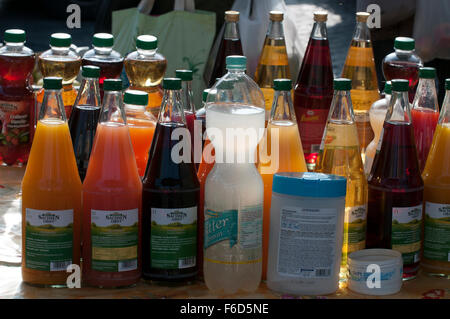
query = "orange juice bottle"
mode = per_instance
[
  {"x": 141, "y": 125},
  {"x": 112, "y": 192},
  {"x": 280, "y": 150},
  {"x": 51, "y": 197}
]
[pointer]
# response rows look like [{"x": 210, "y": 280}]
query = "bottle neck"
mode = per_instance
[
  {"x": 112, "y": 108},
  {"x": 341, "y": 108},
  {"x": 276, "y": 30},
  {"x": 14, "y": 46},
  {"x": 403, "y": 52},
  {"x": 231, "y": 31},
  {"x": 399, "y": 110},
  {"x": 283, "y": 109},
  {"x": 319, "y": 31},
  {"x": 52, "y": 107},
  {"x": 89, "y": 93},
  {"x": 236, "y": 71},
  {"x": 103, "y": 50},
  {"x": 146, "y": 53},
  {"x": 444, "y": 117},
  {"x": 60, "y": 50},
  {"x": 187, "y": 96},
  {"x": 171, "y": 108},
  {"x": 362, "y": 32},
  {"x": 426, "y": 97}
]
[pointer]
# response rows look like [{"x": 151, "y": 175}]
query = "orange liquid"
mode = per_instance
[
  {"x": 290, "y": 159},
  {"x": 155, "y": 95},
  {"x": 69, "y": 94},
  {"x": 51, "y": 182},
  {"x": 112, "y": 183},
  {"x": 141, "y": 139}
]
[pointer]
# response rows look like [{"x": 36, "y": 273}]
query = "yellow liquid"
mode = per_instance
[
  {"x": 67, "y": 69},
  {"x": 290, "y": 158},
  {"x": 340, "y": 155}
]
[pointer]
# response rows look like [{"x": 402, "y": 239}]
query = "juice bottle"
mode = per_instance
[
  {"x": 340, "y": 155},
  {"x": 273, "y": 62},
  {"x": 141, "y": 125},
  {"x": 145, "y": 69},
  {"x": 436, "y": 179},
  {"x": 360, "y": 68},
  {"x": 377, "y": 114},
  {"x": 230, "y": 45},
  {"x": 16, "y": 99},
  {"x": 314, "y": 90},
  {"x": 394, "y": 211},
  {"x": 170, "y": 197},
  {"x": 404, "y": 63},
  {"x": 51, "y": 197},
  {"x": 280, "y": 151},
  {"x": 425, "y": 113},
  {"x": 84, "y": 117},
  {"x": 234, "y": 190},
  {"x": 200, "y": 114},
  {"x": 102, "y": 55},
  {"x": 188, "y": 104},
  {"x": 60, "y": 61},
  {"x": 112, "y": 193}
]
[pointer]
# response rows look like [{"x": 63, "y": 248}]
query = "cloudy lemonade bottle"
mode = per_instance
[{"x": 51, "y": 196}]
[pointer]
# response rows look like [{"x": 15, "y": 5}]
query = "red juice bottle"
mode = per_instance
[
  {"x": 314, "y": 90},
  {"x": 170, "y": 197},
  {"x": 394, "y": 214},
  {"x": 16, "y": 99},
  {"x": 403, "y": 64},
  {"x": 230, "y": 45},
  {"x": 425, "y": 113}
]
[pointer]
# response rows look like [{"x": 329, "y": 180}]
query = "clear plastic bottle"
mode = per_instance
[{"x": 234, "y": 189}]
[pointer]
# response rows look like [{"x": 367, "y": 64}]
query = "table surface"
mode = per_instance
[{"x": 11, "y": 285}]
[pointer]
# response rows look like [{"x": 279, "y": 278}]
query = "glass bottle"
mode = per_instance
[
  {"x": 188, "y": 101},
  {"x": 200, "y": 114}
]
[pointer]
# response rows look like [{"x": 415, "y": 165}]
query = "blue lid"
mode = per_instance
[{"x": 309, "y": 184}]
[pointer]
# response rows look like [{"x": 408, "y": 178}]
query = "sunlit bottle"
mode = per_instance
[
  {"x": 273, "y": 62},
  {"x": 187, "y": 100},
  {"x": 340, "y": 155},
  {"x": 200, "y": 114},
  {"x": 360, "y": 68}
]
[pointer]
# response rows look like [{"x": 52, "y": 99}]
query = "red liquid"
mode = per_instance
[
  {"x": 108, "y": 70},
  {"x": 227, "y": 47},
  {"x": 424, "y": 122},
  {"x": 394, "y": 182},
  {"x": 403, "y": 70},
  {"x": 16, "y": 109},
  {"x": 312, "y": 97}
]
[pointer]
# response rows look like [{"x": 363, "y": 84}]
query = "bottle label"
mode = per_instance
[
  {"x": 173, "y": 238},
  {"x": 48, "y": 239},
  {"x": 437, "y": 232},
  {"x": 354, "y": 230},
  {"x": 307, "y": 242},
  {"x": 114, "y": 238},
  {"x": 14, "y": 123},
  {"x": 407, "y": 232},
  {"x": 220, "y": 226},
  {"x": 312, "y": 124}
]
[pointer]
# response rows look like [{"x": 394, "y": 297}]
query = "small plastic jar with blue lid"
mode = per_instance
[{"x": 306, "y": 233}]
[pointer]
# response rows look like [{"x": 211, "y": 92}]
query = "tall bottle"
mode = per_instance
[
  {"x": 102, "y": 55},
  {"x": 60, "y": 61},
  {"x": 170, "y": 197},
  {"x": 394, "y": 212},
  {"x": 314, "y": 90},
  {"x": 230, "y": 45},
  {"x": 112, "y": 193},
  {"x": 200, "y": 114},
  {"x": 360, "y": 68},
  {"x": 51, "y": 197},
  {"x": 403, "y": 63},
  {"x": 280, "y": 151},
  {"x": 425, "y": 113},
  {"x": 17, "y": 114},
  {"x": 145, "y": 69},
  {"x": 141, "y": 125},
  {"x": 377, "y": 114},
  {"x": 436, "y": 179},
  {"x": 188, "y": 102},
  {"x": 234, "y": 190},
  {"x": 273, "y": 62},
  {"x": 84, "y": 118},
  {"x": 340, "y": 155}
]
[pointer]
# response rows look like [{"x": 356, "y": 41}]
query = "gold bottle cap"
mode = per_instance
[
  {"x": 320, "y": 16},
  {"x": 362, "y": 16},
  {"x": 232, "y": 16},
  {"x": 276, "y": 15}
]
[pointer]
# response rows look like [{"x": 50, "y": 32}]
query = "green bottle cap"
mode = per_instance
[
  {"x": 52, "y": 83},
  {"x": 447, "y": 84},
  {"x": 60, "y": 40},
  {"x": 146, "y": 42},
  {"x": 14, "y": 36},
  {"x": 400, "y": 85},
  {"x": 135, "y": 97},
  {"x": 90, "y": 71},
  {"x": 184, "y": 75},
  {"x": 427, "y": 73},
  {"x": 103, "y": 40},
  {"x": 112, "y": 85},
  {"x": 404, "y": 43},
  {"x": 282, "y": 84},
  {"x": 388, "y": 87},
  {"x": 236, "y": 62},
  {"x": 342, "y": 84},
  {"x": 172, "y": 83},
  {"x": 206, "y": 92}
]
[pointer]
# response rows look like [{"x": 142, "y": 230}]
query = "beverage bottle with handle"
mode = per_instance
[
  {"x": 234, "y": 190},
  {"x": 425, "y": 113}
]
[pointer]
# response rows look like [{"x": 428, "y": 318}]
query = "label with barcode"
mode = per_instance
[
  {"x": 186, "y": 262},
  {"x": 323, "y": 272},
  {"x": 60, "y": 265},
  {"x": 127, "y": 265}
]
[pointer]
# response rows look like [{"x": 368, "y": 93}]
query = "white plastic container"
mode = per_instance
[
  {"x": 375, "y": 272},
  {"x": 306, "y": 233}
]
